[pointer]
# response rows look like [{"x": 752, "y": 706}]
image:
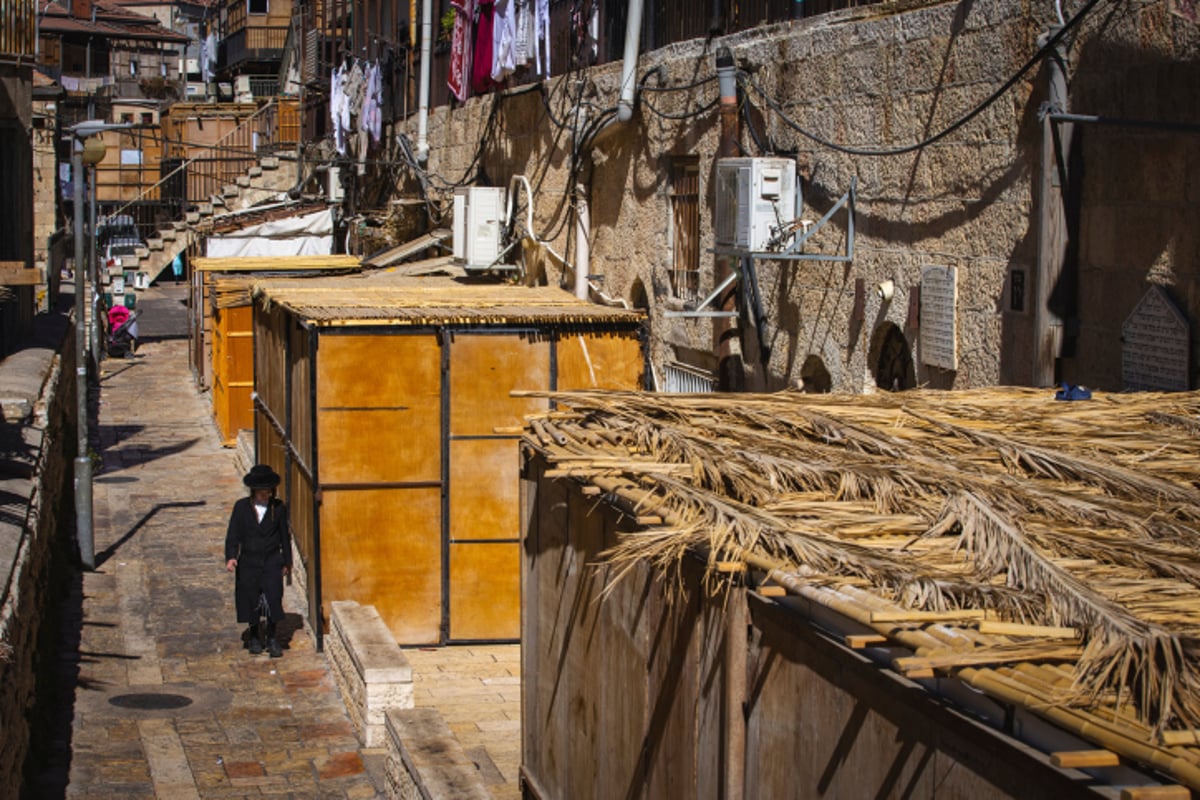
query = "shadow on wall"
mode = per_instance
[{"x": 1135, "y": 190}]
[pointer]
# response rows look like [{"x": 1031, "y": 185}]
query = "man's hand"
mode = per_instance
[{"x": 231, "y": 565}]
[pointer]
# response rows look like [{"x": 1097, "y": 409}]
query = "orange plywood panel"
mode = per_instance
[
  {"x": 600, "y": 361},
  {"x": 383, "y": 547},
  {"x": 485, "y": 591},
  {"x": 484, "y": 369},
  {"x": 378, "y": 408},
  {"x": 485, "y": 489}
]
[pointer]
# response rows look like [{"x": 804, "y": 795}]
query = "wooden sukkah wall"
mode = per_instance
[
  {"x": 1044, "y": 553},
  {"x": 388, "y": 406}
]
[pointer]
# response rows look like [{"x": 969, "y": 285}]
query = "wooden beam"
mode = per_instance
[
  {"x": 857, "y": 641},
  {"x": 771, "y": 591},
  {"x": 1083, "y": 759},
  {"x": 1019, "y": 629},
  {"x": 1156, "y": 793},
  {"x": 961, "y": 614},
  {"x": 15, "y": 273},
  {"x": 1188, "y": 738},
  {"x": 729, "y": 566}
]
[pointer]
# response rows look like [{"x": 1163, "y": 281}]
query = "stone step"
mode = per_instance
[
  {"x": 269, "y": 162},
  {"x": 230, "y": 190},
  {"x": 167, "y": 234},
  {"x": 155, "y": 244},
  {"x": 206, "y": 209},
  {"x": 254, "y": 172},
  {"x": 426, "y": 760},
  {"x": 193, "y": 217},
  {"x": 243, "y": 181},
  {"x": 182, "y": 224}
]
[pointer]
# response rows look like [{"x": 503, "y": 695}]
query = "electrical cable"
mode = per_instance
[
  {"x": 776, "y": 106},
  {"x": 686, "y": 114}
]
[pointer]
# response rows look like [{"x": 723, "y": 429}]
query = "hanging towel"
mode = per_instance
[
  {"x": 481, "y": 57},
  {"x": 504, "y": 35},
  {"x": 541, "y": 36}
]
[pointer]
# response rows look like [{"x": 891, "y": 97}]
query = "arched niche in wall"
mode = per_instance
[
  {"x": 638, "y": 296},
  {"x": 891, "y": 358},
  {"x": 814, "y": 377}
]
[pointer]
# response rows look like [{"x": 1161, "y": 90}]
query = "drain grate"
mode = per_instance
[{"x": 148, "y": 701}]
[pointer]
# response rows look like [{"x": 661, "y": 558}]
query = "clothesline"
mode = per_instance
[{"x": 492, "y": 38}]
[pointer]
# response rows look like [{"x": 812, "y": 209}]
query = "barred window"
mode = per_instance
[{"x": 685, "y": 226}]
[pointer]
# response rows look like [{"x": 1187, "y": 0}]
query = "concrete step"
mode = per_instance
[
  {"x": 254, "y": 172},
  {"x": 206, "y": 209},
  {"x": 193, "y": 217},
  {"x": 182, "y": 224},
  {"x": 269, "y": 162},
  {"x": 155, "y": 244},
  {"x": 230, "y": 190},
  {"x": 167, "y": 234},
  {"x": 243, "y": 181}
]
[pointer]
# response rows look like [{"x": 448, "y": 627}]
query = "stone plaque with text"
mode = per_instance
[
  {"x": 1154, "y": 345},
  {"x": 939, "y": 333}
]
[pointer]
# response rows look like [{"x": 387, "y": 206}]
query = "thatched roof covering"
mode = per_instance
[
  {"x": 402, "y": 300},
  {"x": 1045, "y": 552}
]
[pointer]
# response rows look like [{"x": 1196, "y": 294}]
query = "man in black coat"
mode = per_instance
[{"x": 258, "y": 547}]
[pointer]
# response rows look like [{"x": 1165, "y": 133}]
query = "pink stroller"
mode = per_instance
[{"x": 122, "y": 332}]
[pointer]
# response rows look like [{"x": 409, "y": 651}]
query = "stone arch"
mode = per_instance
[
  {"x": 891, "y": 358},
  {"x": 814, "y": 376}
]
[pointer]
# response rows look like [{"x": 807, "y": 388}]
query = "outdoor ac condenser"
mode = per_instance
[
  {"x": 478, "y": 222},
  {"x": 755, "y": 196}
]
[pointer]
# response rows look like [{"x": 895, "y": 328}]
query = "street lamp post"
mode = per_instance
[{"x": 80, "y": 152}]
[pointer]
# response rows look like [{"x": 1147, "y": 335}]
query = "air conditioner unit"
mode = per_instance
[
  {"x": 241, "y": 85},
  {"x": 755, "y": 198},
  {"x": 478, "y": 222}
]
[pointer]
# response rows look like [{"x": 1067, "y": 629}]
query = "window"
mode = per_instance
[
  {"x": 256, "y": 6},
  {"x": 133, "y": 67},
  {"x": 685, "y": 226},
  {"x": 127, "y": 119},
  {"x": 147, "y": 118}
]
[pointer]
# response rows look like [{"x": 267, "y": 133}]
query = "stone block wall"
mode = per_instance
[
  {"x": 880, "y": 78},
  {"x": 369, "y": 668},
  {"x": 37, "y": 439}
]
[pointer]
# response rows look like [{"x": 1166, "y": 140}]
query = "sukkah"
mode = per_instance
[{"x": 1046, "y": 552}]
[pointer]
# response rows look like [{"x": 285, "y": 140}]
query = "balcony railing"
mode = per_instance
[
  {"x": 18, "y": 27},
  {"x": 254, "y": 43}
]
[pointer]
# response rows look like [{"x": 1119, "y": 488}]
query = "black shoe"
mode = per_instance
[
  {"x": 255, "y": 645},
  {"x": 274, "y": 649}
]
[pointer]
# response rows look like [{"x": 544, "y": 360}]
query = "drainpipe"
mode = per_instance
[
  {"x": 583, "y": 217},
  {"x": 583, "y": 227},
  {"x": 726, "y": 342},
  {"x": 423, "y": 88},
  {"x": 1052, "y": 231},
  {"x": 633, "y": 33}
]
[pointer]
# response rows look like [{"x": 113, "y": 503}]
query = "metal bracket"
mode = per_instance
[{"x": 747, "y": 257}]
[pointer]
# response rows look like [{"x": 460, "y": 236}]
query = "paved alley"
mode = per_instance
[{"x": 165, "y": 700}]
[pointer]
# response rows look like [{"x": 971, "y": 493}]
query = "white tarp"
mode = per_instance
[{"x": 307, "y": 235}]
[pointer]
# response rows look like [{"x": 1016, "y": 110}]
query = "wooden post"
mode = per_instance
[{"x": 1052, "y": 233}]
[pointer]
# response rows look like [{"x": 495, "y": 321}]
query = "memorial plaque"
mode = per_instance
[
  {"x": 1154, "y": 345},
  {"x": 939, "y": 333}
]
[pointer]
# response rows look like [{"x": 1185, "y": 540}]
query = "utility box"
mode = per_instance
[
  {"x": 756, "y": 197},
  {"x": 478, "y": 221}
]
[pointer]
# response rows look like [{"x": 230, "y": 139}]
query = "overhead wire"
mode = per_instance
[{"x": 746, "y": 79}]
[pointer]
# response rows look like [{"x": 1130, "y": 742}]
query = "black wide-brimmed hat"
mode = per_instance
[{"x": 261, "y": 476}]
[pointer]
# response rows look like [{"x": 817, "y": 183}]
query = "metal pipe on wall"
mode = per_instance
[
  {"x": 731, "y": 373},
  {"x": 583, "y": 253},
  {"x": 423, "y": 87},
  {"x": 633, "y": 34}
]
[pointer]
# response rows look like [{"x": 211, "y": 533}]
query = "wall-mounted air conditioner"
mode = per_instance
[
  {"x": 478, "y": 222},
  {"x": 241, "y": 86},
  {"x": 755, "y": 197}
]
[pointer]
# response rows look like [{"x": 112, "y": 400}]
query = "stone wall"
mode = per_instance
[
  {"x": 37, "y": 439},
  {"x": 881, "y": 77}
]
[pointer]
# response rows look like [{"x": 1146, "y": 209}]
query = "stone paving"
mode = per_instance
[{"x": 166, "y": 700}]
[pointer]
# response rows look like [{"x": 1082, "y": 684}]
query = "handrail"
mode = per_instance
[{"x": 252, "y": 118}]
